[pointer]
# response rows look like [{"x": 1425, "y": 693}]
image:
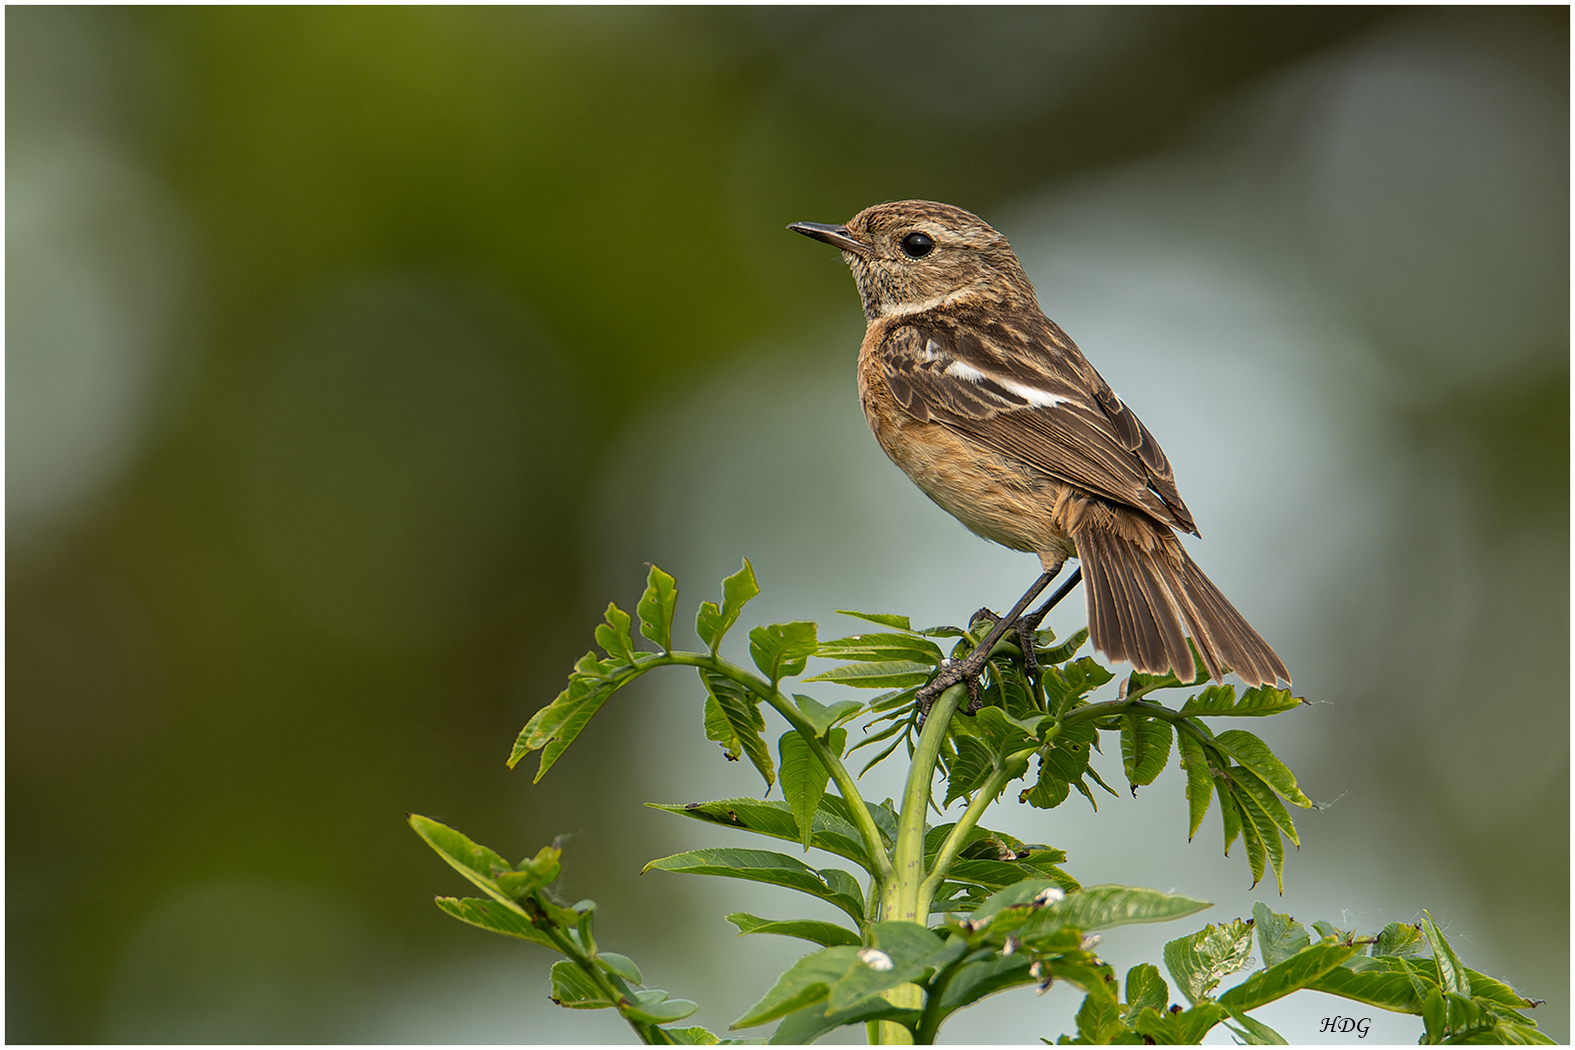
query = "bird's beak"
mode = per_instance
[{"x": 836, "y": 236}]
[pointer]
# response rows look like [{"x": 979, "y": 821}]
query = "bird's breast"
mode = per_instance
[{"x": 994, "y": 496}]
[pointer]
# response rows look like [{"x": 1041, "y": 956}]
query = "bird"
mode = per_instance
[{"x": 994, "y": 412}]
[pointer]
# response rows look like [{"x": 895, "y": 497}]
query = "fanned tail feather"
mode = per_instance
[{"x": 1145, "y": 599}]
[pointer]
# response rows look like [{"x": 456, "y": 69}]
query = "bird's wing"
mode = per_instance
[{"x": 1017, "y": 385}]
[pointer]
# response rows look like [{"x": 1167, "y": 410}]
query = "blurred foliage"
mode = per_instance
[{"x": 211, "y": 681}]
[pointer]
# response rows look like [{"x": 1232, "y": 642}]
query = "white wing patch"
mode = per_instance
[
  {"x": 1033, "y": 395},
  {"x": 1037, "y": 398}
]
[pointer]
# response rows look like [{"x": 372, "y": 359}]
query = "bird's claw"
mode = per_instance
[
  {"x": 966, "y": 671},
  {"x": 1027, "y": 638}
]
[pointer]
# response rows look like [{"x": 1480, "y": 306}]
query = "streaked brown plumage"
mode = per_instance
[{"x": 994, "y": 412}]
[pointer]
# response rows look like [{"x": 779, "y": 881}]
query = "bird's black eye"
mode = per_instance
[{"x": 917, "y": 245}]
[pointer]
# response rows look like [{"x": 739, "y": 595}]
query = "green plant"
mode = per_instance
[{"x": 940, "y": 917}]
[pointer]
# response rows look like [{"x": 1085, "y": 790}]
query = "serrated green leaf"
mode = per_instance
[
  {"x": 490, "y": 915},
  {"x": 476, "y": 862},
  {"x": 1301, "y": 970},
  {"x": 719, "y": 728},
  {"x": 884, "y": 619},
  {"x": 692, "y": 1036},
  {"x": 1048, "y": 792},
  {"x": 713, "y": 622},
  {"x": 1268, "y": 802},
  {"x": 833, "y": 830},
  {"x": 907, "y": 943},
  {"x": 1099, "y": 1021},
  {"x": 708, "y": 625},
  {"x": 1400, "y": 938},
  {"x": 1145, "y": 748},
  {"x": 1492, "y": 990},
  {"x": 1230, "y": 818},
  {"x": 1065, "y": 651},
  {"x": 740, "y": 709},
  {"x": 827, "y": 934},
  {"x": 1389, "y": 984},
  {"x": 1072, "y": 681},
  {"x": 1252, "y": 835},
  {"x": 1185, "y": 1028},
  {"x": 1254, "y": 1032},
  {"x": 1200, "y": 782},
  {"x": 573, "y": 988},
  {"x": 806, "y": 982},
  {"x": 971, "y": 765},
  {"x": 781, "y": 650},
  {"x": 991, "y": 974},
  {"x": 1328, "y": 929},
  {"x": 1062, "y": 766},
  {"x": 893, "y": 701},
  {"x": 1452, "y": 977},
  {"x": 991, "y": 875},
  {"x": 881, "y": 674},
  {"x": 1145, "y": 987},
  {"x": 1253, "y": 753},
  {"x": 1256, "y": 702},
  {"x": 882, "y": 813},
  {"x": 613, "y": 636},
  {"x": 1192, "y": 1025},
  {"x": 1105, "y": 907},
  {"x": 553, "y": 728},
  {"x": 823, "y": 718},
  {"x": 1264, "y": 823},
  {"x": 883, "y": 755},
  {"x": 804, "y": 778},
  {"x": 777, "y": 869},
  {"x": 656, "y": 608},
  {"x": 808, "y": 1024},
  {"x": 1199, "y": 961},
  {"x": 1279, "y": 935},
  {"x": 1091, "y": 909},
  {"x": 844, "y": 885},
  {"x": 1005, "y": 732},
  {"x": 881, "y": 646},
  {"x": 906, "y": 952},
  {"x": 981, "y": 844},
  {"x": 533, "y": 873},
  {"x": 1083, "y": 970}
]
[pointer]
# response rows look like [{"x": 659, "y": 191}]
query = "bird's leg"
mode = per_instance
[
  {"x": 1028, "y": 624},
  {"x": 967, "y": 670}
]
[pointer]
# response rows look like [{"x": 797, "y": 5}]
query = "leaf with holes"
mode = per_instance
[
  {"x": 713, "y": 622},
  {"x": 656, "y": 608}
]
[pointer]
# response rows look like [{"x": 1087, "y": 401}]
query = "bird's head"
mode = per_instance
[{"x": 914, "y": 255}]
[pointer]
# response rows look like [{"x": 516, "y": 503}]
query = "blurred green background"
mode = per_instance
[{"x": 356, "y": 357}]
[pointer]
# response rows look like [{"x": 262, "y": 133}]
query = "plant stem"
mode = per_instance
[
  {"x": 930, "y": 1020},
  {"x": 611, "y": 986},
  {"x": 1008, "y": 770},
  {"x": 901, "y": 899},
  {"x": 1116, "y": 707}
]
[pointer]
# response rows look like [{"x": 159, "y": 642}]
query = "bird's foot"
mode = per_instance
[
  {"x": 967, "y": 670},
  {"x": 1026, "y": 628},
  {"x": 951, "y": 673},
  {"x": 1027, "y": 637}
]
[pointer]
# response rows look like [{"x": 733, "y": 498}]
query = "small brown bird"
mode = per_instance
[{"x": 994, "y": 412}]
